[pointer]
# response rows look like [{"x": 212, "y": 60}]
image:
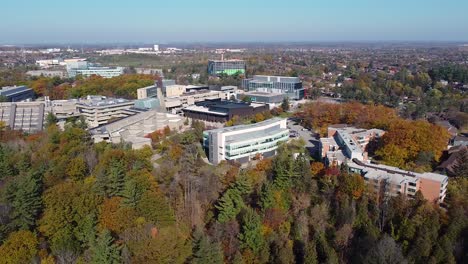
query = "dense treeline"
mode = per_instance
[
  {"x": 65, "y": 200},
  {"x": 415, "y": 145}
]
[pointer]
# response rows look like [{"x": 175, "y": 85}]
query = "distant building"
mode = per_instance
[
  {"x": 243, "y": 143},
  {"x": 391, "y": 181},
  {"x": 148, "y": 103},
  {"x": 25, "y": 116},
  {"x": 16, "y": 93},
  {"x": 134, "y": 129},
  {"x": 222, "y": 111},
  {"x": 156, "y": 47},
  {"x": 271, "y": 99},
  {"x": 105, "y": 72},
  {"x": 229, "y": 67},
  {"x": 47, "y": 73},
  {"x": 149, "y": 71},
  {"x": 99, "y": 110},
  {"x": 49, "y": 63},
  {"x": 289, "y": 86}
]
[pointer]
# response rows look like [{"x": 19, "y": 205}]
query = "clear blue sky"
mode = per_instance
[{"x": 88, "y": 21}]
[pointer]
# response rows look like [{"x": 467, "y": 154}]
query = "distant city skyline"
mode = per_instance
[{"x": 118, "y": 21}]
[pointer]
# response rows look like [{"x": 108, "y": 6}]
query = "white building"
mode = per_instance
[{"x": 242, "y": 143}]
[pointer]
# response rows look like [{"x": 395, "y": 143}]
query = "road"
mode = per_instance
[{"x": 312, "y": 143}]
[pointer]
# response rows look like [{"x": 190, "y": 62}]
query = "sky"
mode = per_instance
[{"x": 156, "y": 21}]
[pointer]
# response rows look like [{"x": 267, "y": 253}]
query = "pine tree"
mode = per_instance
[
  {"x": 26, "y": 202},
  {"x": 231, "y": 203},
  {"x": 132, "y": 193},
  {"x": 104, "y": 250},
  {"x": 461, "y": 168},
  {"x": 205, "y": 251},
  {"x": 115, "y": 178},
  {"x": 251, "y": 236}
]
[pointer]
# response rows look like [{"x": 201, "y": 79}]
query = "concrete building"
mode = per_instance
[
  {"x": 99, "y": 110},
  {"x": 222, "y": 111},
  {"x": 25, "y": 116},
  {"x": 243, "y": 143},
  {"x": 16, "y": 93},
  {"x": 47, "y": 73},
  {"x": 229, "y": 67},
  {"x": 174, "y": 90},
  {"x": 391, "y": 181},
  {"x": 134, "y": 129},
  {"x": 147, "y": 92},
  {"x": 48, "y": 63},
  {"x": 346, "y": 143},
  {"x": 289, "y": 86},
  {"x": 149, "y": 71}
]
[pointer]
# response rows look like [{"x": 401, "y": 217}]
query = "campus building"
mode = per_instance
[
  {"x": 243, "y": 143},
  {"x": 272, "y": 99},
  {"x": 222, "y": 111},
  {"x": 391, "y": 181},
  {"x": 147, "y": 92},
  {"x": 346, "y": 143},
  {"x": 134, "y": 129},
  {"x": 16, "y": 93},
  {"x": 348, "y": 146},
  {"x": 289, "y": 86},
  {"x": 25, "y": 116},
  {"x": 99, "y": 110},
  {"x": 229, "y": 67}
]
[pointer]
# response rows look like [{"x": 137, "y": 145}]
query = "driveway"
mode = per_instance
[{"x": 310, "y": 138}]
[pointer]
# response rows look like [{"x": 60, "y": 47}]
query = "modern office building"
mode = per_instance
[
  {"x": 25, "y": 116},
  {"x": 148, "y": 103},
  {"x": 99, "y": 110},
  {"x": 229, "y": 67},
  {"x": 272, "y": 99},
  {"x": 105, "y": 72},
  {"x": 289, "y": 86},
  {"x": 391, "y": 181},
  {"x": 243, "y": 143},
  {"x": 222, "y": 111},
  {"x": 16, "y": 93},
  {"x": 134, "y": 129}
]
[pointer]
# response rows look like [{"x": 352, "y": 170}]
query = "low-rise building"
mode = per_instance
[
  {"x": 391, "y": 181},
  {"x": 105, "y": 72},
  {"x": 134, "y": 129},
  {"x": 147, "y": 92},
  {"x": 272, "y": 99},
  {"x": 25, "y": 116},
  {"x": 99, "y": 110},
  {"x": 47, "y": 73},
  {"x": 228, "y": 67},
  {"x": 222, "y": 111},
  {"x": 245, "y": 142},
  {"x": 346, "y": 143},
  {"x": 16, "y": 93}
]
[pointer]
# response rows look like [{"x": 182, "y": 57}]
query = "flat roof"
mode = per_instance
[{"x": 241, "y": 127}]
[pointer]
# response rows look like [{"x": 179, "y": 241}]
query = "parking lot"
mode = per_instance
[{"x": 309, "y": 137}]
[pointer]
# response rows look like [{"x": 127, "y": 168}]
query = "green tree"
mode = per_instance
[
  {"x": 461, "y": 167},
  {"x": 285, "y": 104},
  {"x": 105, "y": 250},
  {"x": 26, "y": 201},
  {"x": 251, "y": 236},
  {"x": 206, "y": 251}
]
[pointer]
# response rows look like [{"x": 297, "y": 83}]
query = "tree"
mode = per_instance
[
  {"x": 205, "y": 251},
  {"x": 20, "y": 247},
  {"x": 386, "y": 251},
  {"x": 26, "y": 201},
  {"x": 251, "y": 236},
  {"x": 51, "y": 119},
  {"x": 285, "y": 104},
  {"x": 77, "y": 169},
  {"x": 461, "y": 167},
  {"x": 104, "y": 250}
]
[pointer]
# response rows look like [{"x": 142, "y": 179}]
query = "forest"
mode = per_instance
[{"x": 64, "y": 199}]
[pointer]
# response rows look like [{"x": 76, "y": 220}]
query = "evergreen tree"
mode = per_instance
[
  {"x": 104, "y": 250},
  {"x": 251, "y": 235},
  {"x": 461, "y": 168},
  {"x": 6, "y": 169},
  {"x": 132, "y": 193},
  {"x": 231, "y": 203},
  {"x": 26, "y": 202},
  {"x": 205, "y": 251},
  {"x": 285, "y": 104},
  {"x": 115, "y": 178}
]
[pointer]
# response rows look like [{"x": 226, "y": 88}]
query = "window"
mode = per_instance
[
  {"x": 411, "y": 190},
  {"x": 412, "y": 184}
]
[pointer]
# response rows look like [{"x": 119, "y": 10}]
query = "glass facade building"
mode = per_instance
[
  {"x": 229, "y": 67},
  {"x": 289, "y": 86}
]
